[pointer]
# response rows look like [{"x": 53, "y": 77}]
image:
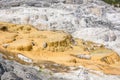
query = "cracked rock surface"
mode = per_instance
[
  {"x": 11, "y": 70},
  {"x": 92, "y": 20}
]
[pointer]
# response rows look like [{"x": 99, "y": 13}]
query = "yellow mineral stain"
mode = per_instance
[{"x": 55, "y": 46}]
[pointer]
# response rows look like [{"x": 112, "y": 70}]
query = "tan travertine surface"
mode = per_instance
[{"x": 55, "y": 46}]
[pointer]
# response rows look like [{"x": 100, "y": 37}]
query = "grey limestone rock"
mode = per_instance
[
  {"x": 2, "y": 70},
  {"x": 10, "y": 76}
]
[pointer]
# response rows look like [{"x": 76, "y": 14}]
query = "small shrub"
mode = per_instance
[{"x": 116, "y": 3}]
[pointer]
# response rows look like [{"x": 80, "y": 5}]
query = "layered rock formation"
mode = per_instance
[
  {"x": 27, "y": 45},
  {"x": 11, "y": 70},
  {"x": 91, "y": 20},
  {"x": 96, "y": 22}
]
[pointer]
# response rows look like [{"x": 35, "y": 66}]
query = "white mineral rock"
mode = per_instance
[{"x": 26, "y": 59}]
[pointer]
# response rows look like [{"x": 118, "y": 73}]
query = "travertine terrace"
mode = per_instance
[{"x": 55, "y": 46}]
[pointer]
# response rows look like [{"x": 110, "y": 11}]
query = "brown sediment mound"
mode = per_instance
[{"x": 25, "y": 43}]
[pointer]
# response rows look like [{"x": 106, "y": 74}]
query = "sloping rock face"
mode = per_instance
[
  {"x": 11, "y": 70},
  {"x": 27, "y": 45},
  {"x": 38, "y": 3},
  {"x": 43, "y": 19},
  {"x": 92, "y": 20}
]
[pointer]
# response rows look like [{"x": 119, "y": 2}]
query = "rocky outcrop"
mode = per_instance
[
  {"x": 15, "y": 71},
  {"x": 16, "y": 3},
  {"x": 28, "y": 45},
  {"x": 87, "y": 19},
  {"x": 95, "y": 18},
  {"x": 2, "y": 70},
  {"x": 37, "y": 3},
  {"x": 9, "y": 76}
]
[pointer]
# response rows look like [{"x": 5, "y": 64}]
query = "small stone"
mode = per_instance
[
  {"x": 36, "y": 67},
  {"x": 5, "y": 45},
  {"x": 26, "y": 59},
  {"x": 44, "y": 45},
  {"x": 84, "y": 56},
  {"x": 74, "y": 42}
]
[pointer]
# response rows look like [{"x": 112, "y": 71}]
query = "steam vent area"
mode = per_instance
[{"x": 27, "y": 45}]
